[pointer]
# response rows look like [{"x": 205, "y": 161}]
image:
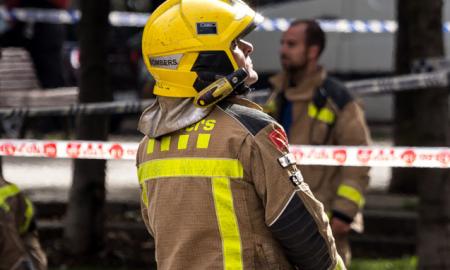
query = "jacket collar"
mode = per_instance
[
  {"x": 245, "y": 102},
  {"x": 304, "y": 86},
  {"x": 168, "y": 114}
]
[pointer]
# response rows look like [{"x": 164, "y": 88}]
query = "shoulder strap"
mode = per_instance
[
  {"x": 336, "y": 91},
  {"x": 320, "y": 97}
]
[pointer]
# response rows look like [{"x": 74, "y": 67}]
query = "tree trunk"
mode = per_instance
[
  {"x": 85, "y": 216},
  {"x": 421, "y": 119},
  {"x": 419, "y": 115}
]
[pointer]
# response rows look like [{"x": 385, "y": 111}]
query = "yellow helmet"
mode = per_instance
[{"x": 186, "y": 44}]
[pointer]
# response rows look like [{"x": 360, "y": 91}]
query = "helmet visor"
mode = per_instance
[{"x": 252, "y": 26}]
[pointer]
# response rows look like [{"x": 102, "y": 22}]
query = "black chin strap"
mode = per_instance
[
  {"x": 242, "y": 90},
  {"x": 206, "y": 78}
]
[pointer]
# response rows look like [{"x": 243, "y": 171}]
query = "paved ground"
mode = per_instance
[{"x": 49, "y": 179}]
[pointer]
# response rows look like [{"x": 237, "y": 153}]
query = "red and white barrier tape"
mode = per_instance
[
  {"x": 375, "y": 156},
  {"x": 69, "y": 149}
]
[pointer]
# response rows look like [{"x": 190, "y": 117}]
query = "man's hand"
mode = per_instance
[{"x": 339, "y": 227}]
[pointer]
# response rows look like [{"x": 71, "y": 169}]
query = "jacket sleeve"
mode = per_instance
[
  {"x": 351, "y": 129},
  {"x": 13, "y": 254},
  {"x": 28, "y": 231},
  {"x": 34, "y": 250},
  {"x": 296, "y": 219}
]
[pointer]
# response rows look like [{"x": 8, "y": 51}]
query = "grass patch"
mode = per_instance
[{"x": 409, "y": 263}]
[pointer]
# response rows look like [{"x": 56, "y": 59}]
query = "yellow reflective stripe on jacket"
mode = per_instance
[
  {"x": 220, "y": 171},
  {"x": 190, "y": 167},
  {"x": 6, "y": 192},
  {"x": 229, "y": 229},
  {"x": 340, "y": 263},
  {"x": 325, "y": 115},
  {"x": 351, "y": 194},
  {"x": 29, "y": 212},
  {"x": 144, "y": 194}
]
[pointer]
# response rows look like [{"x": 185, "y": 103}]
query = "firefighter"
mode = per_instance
[
  {"x": 316, "y": 109},
  {"x": 19, "y": 244},
  {"x": 220, "y": 189}
]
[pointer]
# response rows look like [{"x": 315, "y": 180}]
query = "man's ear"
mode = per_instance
[{"x": 313, "y": 52}]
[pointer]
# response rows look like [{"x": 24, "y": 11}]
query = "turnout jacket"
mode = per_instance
[
  {"x": 19, "y": 243},
  {"x": 322, "y": 112},
  {"x": 219, "y": 191}
]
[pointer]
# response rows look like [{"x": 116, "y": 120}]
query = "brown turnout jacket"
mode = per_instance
[
  {"x": 215, "y": 195},
  {"x": 340, "y": 121},
  {"x": 19, "y": 244}
]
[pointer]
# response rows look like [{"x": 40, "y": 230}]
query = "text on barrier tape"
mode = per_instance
[{"x": 376, "y": 156}]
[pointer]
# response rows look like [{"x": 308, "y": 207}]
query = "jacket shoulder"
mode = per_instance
[
  {"x": 337, "y": 92},
  {"x": 252, "y": 119}
]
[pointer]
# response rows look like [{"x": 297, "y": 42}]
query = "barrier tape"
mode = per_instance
[
  {"x": 423, "y": 157},
  {"x": 138, "y": 19},
  {"x": 360, "y": 88},
  {"x": 69, "y": 149},
  {"x": 115, "y": 107},
  {"x": 430, "y": 64},
  {"x": 380, "y": 85},
  {"x": 399, "y": 83}
]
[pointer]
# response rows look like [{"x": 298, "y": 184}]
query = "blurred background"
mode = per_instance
[{"x": 101, "y": 62}]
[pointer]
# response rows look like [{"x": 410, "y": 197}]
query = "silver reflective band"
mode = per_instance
[
  {"x": 287, "y": 160},
  {"x": 168, "y": 62},
  {"x": 296, "y": 178}
]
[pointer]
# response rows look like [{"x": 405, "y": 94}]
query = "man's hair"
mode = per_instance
[{"x": 314, "y": 33}]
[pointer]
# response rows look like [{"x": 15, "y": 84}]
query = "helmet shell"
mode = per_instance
[{"x": 179, "y": 31}]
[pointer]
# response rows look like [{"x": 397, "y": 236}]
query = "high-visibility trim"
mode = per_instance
[
  {"x": 351, "y": 194},
  {"x": 5, "y": 193},
  {"x": 165, "y": 143},
  {"x": 325, "y": 115},
  {"x": 144, "y": 196},
  {"x": 29, "y": 213},
  {"x": 183, "y": 142},
  {"x": 203, "y": 140},
  {"x": 228, "y": 226},
  {"x": 190, "y": 167},
  {"x": 340, "y": 263},
  {"x": 150, "y": 146}
]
